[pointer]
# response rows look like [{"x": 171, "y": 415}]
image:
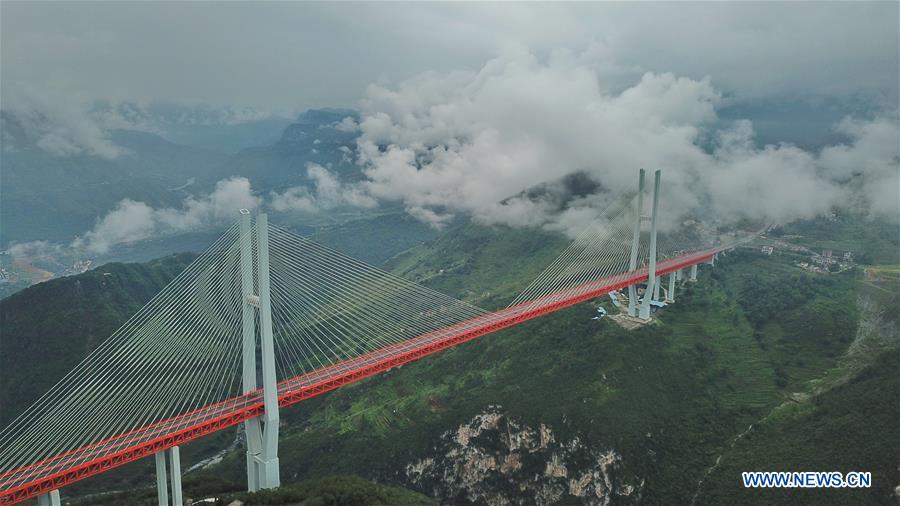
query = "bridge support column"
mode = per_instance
[
  {"x": 670, "y": 294},
  {"x": 166, "y": 479},
  {"x": 693, "y": 276},
  {"x": 656, "y": 284},
  {"x": 162, "y": 481},
  {"x": 49, "y": 499},
  {"x": 261, "y": 433},
  {"x": 252, "y": 427},
  {"x": 269, "y": 476},
  {"x": 644, "y": 311},
  {"x": 175, "y": 467},
  {"x": 635, "y": 245}
]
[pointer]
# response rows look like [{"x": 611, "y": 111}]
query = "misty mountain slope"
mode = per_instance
[
  {"x": 565, "y": 406},
  {"x": 171, "y": 162},
  {"x": 229, "y": 138},
  {"x": 375, "y": 239},
  {"x": 67, "y": 317},
  {"x": 487, "y": 266},
  {"x": 54, "y": 197},
  {"x": 224, "y": 130},
  {"x": 371, "y": 238},
  {"x": 48, "y": 328},
  {"x": 312, "y": 138}
]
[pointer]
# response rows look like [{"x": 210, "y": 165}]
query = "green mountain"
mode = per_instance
[
  {"x": 337, "y": 491},
  {"x": 63, "y": 319},
  {"x": 324, "y": 491},
  {"x": 48, "y": 328},
  {"x": 54, "y": 198},
  {"x": 312, "y": 138},
  {"x": 221, "y": 129},
  {"x": 761, "y": 365},
  {"x": 573, "y": 410}
]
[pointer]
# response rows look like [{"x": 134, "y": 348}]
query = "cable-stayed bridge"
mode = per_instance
[{"x": 265, "y": 319}]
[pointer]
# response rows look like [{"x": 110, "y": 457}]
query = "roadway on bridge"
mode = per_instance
[{"x": 81, "y": 463}]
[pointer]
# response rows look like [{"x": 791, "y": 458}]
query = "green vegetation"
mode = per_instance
[
  {"x": 53, "y": 198},
  {"x": 881, "y": 283},
  {"x": 335, "y": 491},
  {"x": 871, "y": 241},
  {"x": 326, "y": 491},
  {"x": 48, "y": 328},
  {"x": 756, "y": 342},
  {"x": 668, "y": 397},
  {"x": 375, "y": 240},
  {"x": 484, "y": 265},
  {"x": 852, "y": 427}
]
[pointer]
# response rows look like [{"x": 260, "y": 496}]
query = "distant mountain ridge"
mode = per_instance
[
  {"x": 561, "y": 410},
  {"x": 226, "y": 130},
  {"x": 313, "y": 138},
  {"x": 52, "y": 197}
]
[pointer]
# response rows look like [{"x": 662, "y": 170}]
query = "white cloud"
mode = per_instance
[
  {"x": 169, "y": 50},
  {"x": 33, "y": 249},
  {"x": 875, "y": 148},
  {"x": 873, "y": 157},
  {"x": 58, "y": 125},
  {"x": 326, "y": 193},
  {"x": 465, "y": 142},
  {"x": 64, "y": 125},
  {"x": 347, "y": 124},
  {"x": 774, "y": 184},
  {"x": 131, "y": 221}
]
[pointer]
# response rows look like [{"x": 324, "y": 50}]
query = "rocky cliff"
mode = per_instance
[{"x": 497, "y": 460}]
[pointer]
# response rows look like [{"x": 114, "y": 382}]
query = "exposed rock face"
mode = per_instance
[{"x": 499, "y": 461}]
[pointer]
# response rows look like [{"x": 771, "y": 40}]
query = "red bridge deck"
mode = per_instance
[{"x": 56, "y": 472}]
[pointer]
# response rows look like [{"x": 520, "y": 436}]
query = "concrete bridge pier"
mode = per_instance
[
  {"x": 693, "y": 276},
  {"x": 49, "y": 499},
  {"x": 670, "y": 293},
  {"x": 635, "y": 245},
  {"x": 162, "y": 481},
  {"x": 175, "y": 465}
]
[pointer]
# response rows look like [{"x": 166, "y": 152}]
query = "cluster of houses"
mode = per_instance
[
  {"x": 828, "y": 261},
  {"x": 78, "y": 267}
]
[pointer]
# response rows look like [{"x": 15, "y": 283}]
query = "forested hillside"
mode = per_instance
[
  {"x": 564, "y": 408},
  {"x": 569, "y": 409},
  {"x": 48, "y": 328}
]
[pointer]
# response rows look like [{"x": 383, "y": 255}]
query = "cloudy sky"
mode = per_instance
[
  {"x": 290, "y": 56},
  {"x": 763, "y": 110}
]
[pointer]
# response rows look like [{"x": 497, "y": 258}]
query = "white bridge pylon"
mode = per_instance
[
  {"x": 261, "y": 435},
  {"x": 625, "y": 247}
]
